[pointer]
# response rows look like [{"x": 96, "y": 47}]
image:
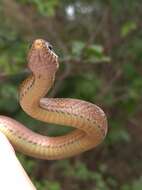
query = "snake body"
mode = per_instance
[{"x": 88, "y": 119}]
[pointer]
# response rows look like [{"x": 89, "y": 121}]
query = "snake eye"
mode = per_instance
[{"x": 50, "y": 47}]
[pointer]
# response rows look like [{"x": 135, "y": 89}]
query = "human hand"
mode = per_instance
[{"x": 12, "y": 174}]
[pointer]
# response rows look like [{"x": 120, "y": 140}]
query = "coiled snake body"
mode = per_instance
[{"x": 88, "y": 119}]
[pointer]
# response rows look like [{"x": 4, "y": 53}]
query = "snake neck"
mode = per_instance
[{"x": 32, "y": 90}]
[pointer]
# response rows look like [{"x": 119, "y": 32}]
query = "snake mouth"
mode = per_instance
[
  {"x": 40, "y": 45},
  {"x": 42, "y": 56}
]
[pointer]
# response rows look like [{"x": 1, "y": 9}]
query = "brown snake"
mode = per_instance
[{"x": 88, "y": 119}]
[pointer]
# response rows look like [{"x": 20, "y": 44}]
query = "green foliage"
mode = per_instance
[
  {"x": 95, "y": 53},
  {"x": 118, "y": 135},
  {"x": 80, "y": 172},
  {"x": 77, "y": 48},
  {"x": 45, "y": 8},
  {"x": 13, "y": 55},
  {"x": 85, "y": 83},
  {"x": 136, "y": 185},
  {"x": 52, "y": 185},
  {"x": 8, "y": 94},
  {"x": 128, "y": 27},
  {"x": 90, "y": 53},
  {"x": 27, "y": 163}
]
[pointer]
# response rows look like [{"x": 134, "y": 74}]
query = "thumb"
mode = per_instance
[{"x": 12, "y": 174}]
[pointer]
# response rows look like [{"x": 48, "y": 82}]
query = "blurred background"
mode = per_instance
[{"x": 99, "y": 44}]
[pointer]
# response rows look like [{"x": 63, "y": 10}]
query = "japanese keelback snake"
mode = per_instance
[{"x": 88, "y": 119}]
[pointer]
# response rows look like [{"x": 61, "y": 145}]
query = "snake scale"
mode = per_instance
[{"x": 89, "y": 120}]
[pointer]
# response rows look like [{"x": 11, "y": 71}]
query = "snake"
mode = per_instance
[{"x": 88, "y": 120}]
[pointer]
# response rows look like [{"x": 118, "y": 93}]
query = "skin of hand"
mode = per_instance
[{"x": 12, "y": 174}]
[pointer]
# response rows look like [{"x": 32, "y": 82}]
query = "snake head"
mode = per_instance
[{"x": 41, "y": 58}]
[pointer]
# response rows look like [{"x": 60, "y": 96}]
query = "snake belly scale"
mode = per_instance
[{"x": 88, "y": 119}]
